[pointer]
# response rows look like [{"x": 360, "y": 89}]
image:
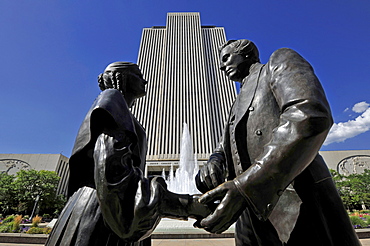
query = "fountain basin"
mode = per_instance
[{"x": 178, "y": 229}]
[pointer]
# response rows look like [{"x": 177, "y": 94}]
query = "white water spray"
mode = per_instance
[{"x": 183, "y": 180}]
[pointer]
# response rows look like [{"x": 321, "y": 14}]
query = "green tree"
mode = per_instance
[
  {"x": 365, "y": 187},
  {"x": 31, "y": 185},
  {"x": 354, "y": 189},
  {"x": 7, "y": 193}
]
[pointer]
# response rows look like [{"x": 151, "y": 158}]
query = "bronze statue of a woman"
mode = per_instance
[{"x": 111, "y": 202}]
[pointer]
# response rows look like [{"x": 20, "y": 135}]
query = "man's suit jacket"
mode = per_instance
[{"x": 288, "y": 118}]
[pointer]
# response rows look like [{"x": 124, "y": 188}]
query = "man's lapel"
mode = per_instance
[{"x": 247, "y": 93}]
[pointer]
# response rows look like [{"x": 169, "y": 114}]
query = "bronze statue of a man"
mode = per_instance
[{"x": 270, "y": 146}]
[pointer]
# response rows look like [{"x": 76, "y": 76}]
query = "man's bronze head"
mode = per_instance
[
  {"x": 236, "y": 57},
  {"x": 243, "y": 47}
]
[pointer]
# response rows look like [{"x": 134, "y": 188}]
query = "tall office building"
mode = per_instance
[{"x": 180, "y": 62}]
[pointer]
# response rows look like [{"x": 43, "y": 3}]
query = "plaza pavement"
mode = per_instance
[
  {"x": 210, "y": 242},
  {"x": 175, "y": 230},
  {"x": 186, "y": 242}
]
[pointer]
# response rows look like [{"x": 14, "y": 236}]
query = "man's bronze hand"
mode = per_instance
[
  {"x": 211, "y": 174},
  {"x": 227, "y": 212}
]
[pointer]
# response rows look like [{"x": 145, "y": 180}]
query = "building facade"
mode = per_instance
[
  {"x": 185, "y": 85},
  {"x": 347, "y": 161},
  {"x": 12, "y": 163}
]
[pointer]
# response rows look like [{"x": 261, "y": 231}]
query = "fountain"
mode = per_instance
[{"x": 182, "y": 181}]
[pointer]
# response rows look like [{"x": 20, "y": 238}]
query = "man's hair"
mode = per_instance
[{"x": 243, "y": 47}]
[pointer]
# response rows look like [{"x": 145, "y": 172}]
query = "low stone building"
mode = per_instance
[
  {"x": 12, "y": 163},
  {"x": 347, "y": 161}
]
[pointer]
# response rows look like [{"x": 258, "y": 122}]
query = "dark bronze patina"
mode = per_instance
[
  {"x": 269, "y": 156},
  {"x": 111, "y": 202}
]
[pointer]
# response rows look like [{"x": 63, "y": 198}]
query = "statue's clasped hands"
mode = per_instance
[
  {"x": 228, "y": 210},
  {"x": 224, "y": 198}
]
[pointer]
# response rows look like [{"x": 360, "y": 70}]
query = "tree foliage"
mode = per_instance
[
  {"x": 19, "y": 193},
  {"x": 354, "y": 189},
  {"x": 6, "y": 192}
]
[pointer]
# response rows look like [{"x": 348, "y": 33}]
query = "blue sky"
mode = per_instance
[{"x": 51, "y": 53}]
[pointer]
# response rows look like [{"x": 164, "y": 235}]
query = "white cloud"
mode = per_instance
[
  {"x": 345, "y": 130},
  {"x": 360, "y": 107}
]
